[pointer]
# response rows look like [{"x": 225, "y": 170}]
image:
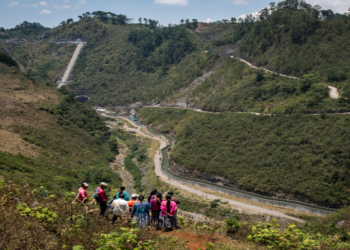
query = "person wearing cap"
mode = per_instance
[
  {"x": 120, "y": 208},
  {"x": 82, "y": 194},
  {"x": 102, "y": 197},
  {"x": 132, "y": 202},
  {"x": 126, "y": 194}
]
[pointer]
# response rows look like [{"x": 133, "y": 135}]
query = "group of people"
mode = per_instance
[{"x": 155, "y": 211}]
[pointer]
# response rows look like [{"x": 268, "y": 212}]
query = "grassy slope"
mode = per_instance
[
  {"x": 236, "y": 87},
  {"x": 48, "y": 141},
  {"x": 305, "y": 157},
  {"x": 106, "y": 66}
]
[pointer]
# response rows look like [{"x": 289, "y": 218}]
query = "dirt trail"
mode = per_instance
[
  {"x": 118, "y": 165},
  {"x": 157, "y": 161},
  {"x": 333, "y": 90}
]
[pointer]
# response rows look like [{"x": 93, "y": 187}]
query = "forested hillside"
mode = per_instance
[
  {"x": 301, "y": 157},
  {"x": 122, "y": 62},
  {"x": 295, "y": 38},
  {"x": 48, "y": 138}
]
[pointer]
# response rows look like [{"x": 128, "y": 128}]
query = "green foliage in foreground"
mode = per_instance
[
  {"x": 300, "y": 155},
  {"x": 294, "y": 238}
]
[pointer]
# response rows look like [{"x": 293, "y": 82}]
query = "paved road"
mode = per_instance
[
  {"x": 333, "y": 90},
  {"x": 157, "y": 162}
]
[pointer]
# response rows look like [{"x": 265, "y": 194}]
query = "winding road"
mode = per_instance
[
  {"x": 333, "y": 90},
  {"x": 163, "y": 177}
]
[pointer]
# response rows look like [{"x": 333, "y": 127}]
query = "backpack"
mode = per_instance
[{"x": 96, "y": 195}]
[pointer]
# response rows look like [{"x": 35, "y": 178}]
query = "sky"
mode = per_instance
[{"x": 51, "y": 12}]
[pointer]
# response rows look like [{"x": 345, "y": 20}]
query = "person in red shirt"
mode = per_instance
[
  {"x": 82, "y": 194},
  {"x": 102, "y": 197}
]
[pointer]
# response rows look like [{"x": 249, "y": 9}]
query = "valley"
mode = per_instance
[{"x": 245, "y": 120}]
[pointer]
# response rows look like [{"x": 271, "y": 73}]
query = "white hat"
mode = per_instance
[
  {"x": 134, "y": 196},
  {"x": 103, "y": 184},
  {"x": 85, "y": 184}
]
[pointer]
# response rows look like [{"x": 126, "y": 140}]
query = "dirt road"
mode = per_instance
[
  {"x": 333, "y": 90},
  {"x": 207, "y": 195}
]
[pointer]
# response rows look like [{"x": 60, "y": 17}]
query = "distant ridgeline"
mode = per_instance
[
  {"x": 126, "y": 62},
  {"x": 295, "y": 38}
]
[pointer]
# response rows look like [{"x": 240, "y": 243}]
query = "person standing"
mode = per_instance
[
  {"x": 120, "y": 208},
  {"x": 177, "y": 201},
  {"x": 168, "y": 212},
  {"x": 126, "y": 194},
  {"x": 140, "y": 212},
  {"x": 155, "y": 209},
  {"x": 82, "y": 194},
  {"x": 152, "y": 196},
  {"x": 132, "y": 202},
  {"x": 101, "y": 197}
]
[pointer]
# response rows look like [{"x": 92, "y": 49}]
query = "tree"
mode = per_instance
[
  {"x": 146, "y": 21},
  {"x": 70, "y": 20},
  {"x": 182, "y": 21},
  {"x": 140, "y": 20},
  {"x": 233, "y": 20},
  {"x": 264, "y": 13},
  {"x": 195, "y": 23},
  {"x": 272, "y": 6},
  {"x": 80, "y": 17}
]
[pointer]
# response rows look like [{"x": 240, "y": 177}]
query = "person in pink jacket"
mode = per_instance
[{"x": 168, "y": 210}]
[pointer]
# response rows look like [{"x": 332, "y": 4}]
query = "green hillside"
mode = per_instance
[
  {"x": 295, "y": 38},
  {"x": 122, "y": 63},
  {"x": 304, "y": 157},
  {"x": 49, "y": 139},
  {"x": 237, "y": 88}
]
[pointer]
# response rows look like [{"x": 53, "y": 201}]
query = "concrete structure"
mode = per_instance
[{"x": 71, "y": 64}]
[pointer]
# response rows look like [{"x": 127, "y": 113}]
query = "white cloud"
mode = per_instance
[
  {"x": 173, "y": 2},
  {"x": 31, "y": 5},
  {"x": 45, "y": 12},
  {"x": 255, "y": 14},
  {"x": 43, "y": 3},
  {"x": 13, "y": 4},
  {"x": 82, "y": 1},
  {"x": 340, "y": 6},
  {"x": 208, "y": 21},
  {"x": 65, "y": 6},
  {"x": 240, "y": 2},
  {"x": 66, "y": 1}
]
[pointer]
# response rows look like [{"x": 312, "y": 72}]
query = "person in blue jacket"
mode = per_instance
[{"x": 126, "y": 194}]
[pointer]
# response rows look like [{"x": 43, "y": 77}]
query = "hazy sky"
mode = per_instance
[{"x": 51, "y": 12}]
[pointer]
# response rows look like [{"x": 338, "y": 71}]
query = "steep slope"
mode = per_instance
[
  {"x": 295, "y": 38},
  {"x": 48, "y": 139},
  {"x": 298, "y": 157},
  {"x": 120, "y": 63}
]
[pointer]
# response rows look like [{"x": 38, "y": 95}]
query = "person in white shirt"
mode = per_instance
[{"x": 120, "y": 208}]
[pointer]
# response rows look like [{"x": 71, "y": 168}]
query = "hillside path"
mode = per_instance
[
  {"x": 157, "y": 162},
  {"x": 333, "y": 93}
]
